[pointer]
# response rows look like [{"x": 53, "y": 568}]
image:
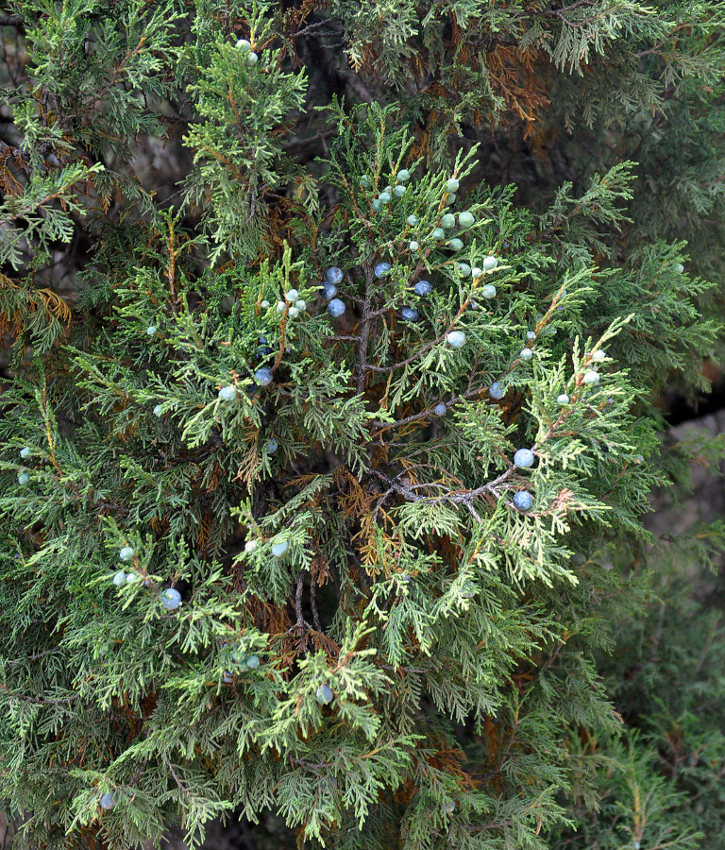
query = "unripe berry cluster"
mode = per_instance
[{"x": 240, "y": 661}]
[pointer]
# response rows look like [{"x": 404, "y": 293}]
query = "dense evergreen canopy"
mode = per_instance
[{"x": 333, "y": 340}]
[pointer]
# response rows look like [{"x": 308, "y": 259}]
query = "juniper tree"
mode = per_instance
[{"x": 324, "y": 456}]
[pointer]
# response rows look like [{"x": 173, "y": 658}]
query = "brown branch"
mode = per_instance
[
  {"x": 300, "y": 624},
  {"x": 12, "y": 21},
  {"x": 36, "y": 657},
  {"x": 362, "y": 350},
  {"x": 176, "y": 779},
  {"x": 313, "y": 605},
  {"x": 465, "y": 497},
  {"x": 38, "y": 700},
  {"x": 425, "y": 414}
]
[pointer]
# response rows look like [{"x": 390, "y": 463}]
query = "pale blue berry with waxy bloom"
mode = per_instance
[
  {"x": 524, "y": 458},
  {"x": 412, "y": 220},
  {"x": 413, "y": 246},
  {"x": 423, "y": 288},
  {"x": 409, "y": 314},
  {"x": 291, "y": 295},
  {"x": 244, "y": 45},
  {"x": 334, "y": 274},
  {"x": 324, "y": 695},
  {"x": 449, "y": 806},
  {"x": 464, "y": 269},
  {"x": 228, "y": 393},
  {"x": 468, "y": 591},
  {"x": 293, "y": 312},
  {"x": 526, "y": 354},
  {"x": 151, "y": 330},
  {"x": 530, "y": 335},
  {"x": 452, "y": 185},
  {"x": 599, "y": 355},
  {"x": 385, "y": 197},
  {"x": 272, "y": 445},
  {"x": 496, "y": 391},
  {"x": 228, "y": 677},
  {"x": 250, "y": 545},
  {"x": 264, "y": 304},
  {"x": 376, "y": 204},
  {"x": 132, "y": 578},
  {"x": 455, "y": 244},
  {"x": 450, "y": 200},
  {"x": 489, "y": 291},
  {"x": 440, "y": 409},
  {"x": 301, "y": 305},
  {"x": 523, "y": 500},
  {"x": 108, "y": 801},
  {"x": 476, "y": 272},
  {"x": 279, "y": 549},
  {"x": 456, "y": 339},
  {"x": 170, "y": 598},
  {"x": 591, "y": 377},
  {"x": 281, "y": 306},
  {"x": 448, "y": 221},
  {"x": 399, "y": 191},
  {"x": 252, "y": 58},
  {"x": 366, "y": 181},
  {"x": 403, "y": 175},
  {"x": 336, "y": 308},
  {"x": 563, "y": 398},
  {"x": 439, "y": 234},
  {"x": 490, "y": 263},
  {"x": 253, "y": 662},
  {"x": 126, "y": 553},
  {"x": 329, "y": 290},
  {"x": 119, "y": 579},
  {"x": 465, "y": 219},
  {"x": 25, "y": 452},
  {"x": 381, "y": 269},
  {"x": 679, "y": 268},
  {"x": 264, "y": 376}
]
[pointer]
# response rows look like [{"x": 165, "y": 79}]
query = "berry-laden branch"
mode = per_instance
[
  {"x": 453, "y": 497},
  {"x": 425, "y": 348},
  {"x": 378, "y": 469}
]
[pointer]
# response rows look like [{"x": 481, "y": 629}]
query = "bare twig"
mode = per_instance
[
  {"x": 38, "y": 700},
  {"x": 12, "y": 21},
  {"x": 313, "y": 605},
  {"x": 33, "y": 657},
  {"x": 455, "y": 497},
  {"x": 300, "y": 624},
  {"x": 362, "y": 349}
]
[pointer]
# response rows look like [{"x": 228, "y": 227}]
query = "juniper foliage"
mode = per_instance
[{"x": 373, "y": 642}]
